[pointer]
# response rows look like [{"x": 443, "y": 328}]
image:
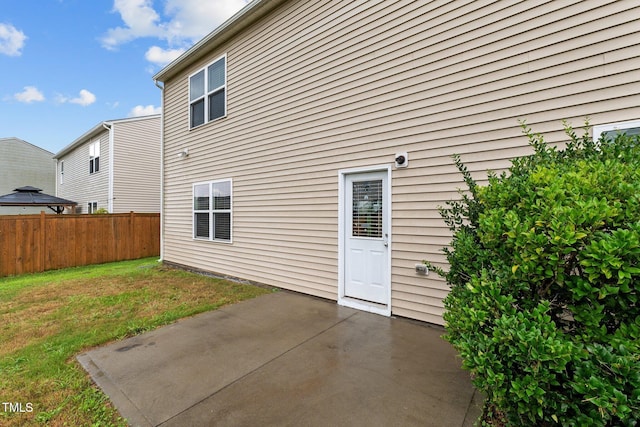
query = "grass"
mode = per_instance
[{"x": 47, "y": 319}]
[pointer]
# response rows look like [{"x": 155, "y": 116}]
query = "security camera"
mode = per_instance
[{"x": 402, "y": 160}]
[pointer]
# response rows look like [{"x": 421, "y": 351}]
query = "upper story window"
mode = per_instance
[
  {"x": 208, "y": 93},
  {"x": 611, "y": 130},
  {"x": 94, "y": 157},
  {"x": 62, "y": 172}
]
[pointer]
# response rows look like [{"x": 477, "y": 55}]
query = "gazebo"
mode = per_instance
[{"x": 31, "y": 196}]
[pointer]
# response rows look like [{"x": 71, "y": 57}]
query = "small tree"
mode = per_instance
[{"x": 545, "y": 284}]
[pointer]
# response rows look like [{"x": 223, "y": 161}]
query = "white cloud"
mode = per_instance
[
  {"x": 160, "y": 56},
  {"x": 141, "y": 110},
  {"x": 194, "y": 19},
  {"x": 11, "y": 40},
  {"x": 140, "y": 20},
  {"x": 183, "y": 22},
  {"x": 84, "y": 98},
  {"x": 29, "y": 94}
]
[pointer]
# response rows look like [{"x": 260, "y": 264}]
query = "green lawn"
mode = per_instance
[{"x": 48, "y": 318}]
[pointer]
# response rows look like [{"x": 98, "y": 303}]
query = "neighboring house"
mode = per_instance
[
  {"x": 114, "y": 166},
  {"x": 320, "y": 135},
  {"x": 23, "y": 164}
]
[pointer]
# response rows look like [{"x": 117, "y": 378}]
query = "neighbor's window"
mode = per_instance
[
  {"x": 62, "y": 172},
  {"x": 611, "y": 130},
  {"x": 207, "y": 93},
  {"x": 212, "y": 210},
  {"x": 94, "y": 157},
  {"x": 92, "y": 207}
]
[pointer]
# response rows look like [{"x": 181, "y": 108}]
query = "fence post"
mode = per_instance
[
  {"x": 43, "y": 242},
  {"x": 132, "y": 241}
]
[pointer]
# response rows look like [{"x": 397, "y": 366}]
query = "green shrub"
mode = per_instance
[{"x": 545, "y": 281}]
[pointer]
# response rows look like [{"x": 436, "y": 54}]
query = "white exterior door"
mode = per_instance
[{"x": 366, "y": 263}]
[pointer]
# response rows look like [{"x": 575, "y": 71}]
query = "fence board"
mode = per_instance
[
  {"x": 27, "y": 259},
  {"x": 32, "y": 243},
  {"x": 8, "y": 251}
]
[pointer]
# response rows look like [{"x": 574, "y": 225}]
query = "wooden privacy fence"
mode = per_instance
[{"x": 32, "y": 243}]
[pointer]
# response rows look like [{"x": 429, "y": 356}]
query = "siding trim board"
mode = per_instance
[
  {"x": 110, "y": 196},
  {"x": 318, "y": 89}
]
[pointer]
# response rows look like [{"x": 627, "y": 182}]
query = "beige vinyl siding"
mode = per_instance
[
  {"x": 136, "y": 165},
  {"x": 79, "y": 185},
  {"x": 316, "y": 87}
]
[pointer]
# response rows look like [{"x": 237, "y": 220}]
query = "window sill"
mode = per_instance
[
  {"x": 207, "y": 123},
  {"x": 201, "y": 239}
]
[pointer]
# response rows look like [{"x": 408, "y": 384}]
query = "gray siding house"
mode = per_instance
[
  {"x": 308, "y": 145},
  {"x": 23, "y": 164},
  {"x": 113, "y": 166}
]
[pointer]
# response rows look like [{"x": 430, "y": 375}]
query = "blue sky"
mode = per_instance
[{"x": 67, "y": 65}]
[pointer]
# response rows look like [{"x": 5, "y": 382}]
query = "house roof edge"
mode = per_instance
[
  {"x": 13, "y": 138},
  {"x": 81, "y": 139},
  {"x": 96, "y": 130},
  {"x": 249, "y": 14}
]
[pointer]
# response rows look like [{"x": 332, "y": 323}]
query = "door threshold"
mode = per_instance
[{"x": 370, "y": 306}]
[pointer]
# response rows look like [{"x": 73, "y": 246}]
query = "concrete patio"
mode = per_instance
[{"x": 286, "y": 359}]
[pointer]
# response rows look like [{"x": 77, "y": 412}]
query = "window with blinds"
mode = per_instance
[
  {"x": 367, "y": 209},
  {"x": 207, "y": 93},
  {"x": 212, "y": 210}
]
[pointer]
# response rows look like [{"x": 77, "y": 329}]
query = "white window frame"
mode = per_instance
[
  {"x": 600, "y": 129},
  {"x": 94, "y": 160},
  {"x": 92, "y": 207},
  {"x": 61, "y": 172},
  {"x": 211, "y": 211},
  {"x": 208, "y": 92}
]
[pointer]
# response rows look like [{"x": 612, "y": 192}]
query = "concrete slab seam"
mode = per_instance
[{"x": 469, "y": 409}]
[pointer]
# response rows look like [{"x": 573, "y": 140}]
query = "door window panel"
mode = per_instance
[{"x": 367, "y": 209}]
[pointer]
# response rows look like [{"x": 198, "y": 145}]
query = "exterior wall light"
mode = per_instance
[{"x": 402, "y": 160}]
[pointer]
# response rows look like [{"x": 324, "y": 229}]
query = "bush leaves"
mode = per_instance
[{"x": 545, "y": 277}]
